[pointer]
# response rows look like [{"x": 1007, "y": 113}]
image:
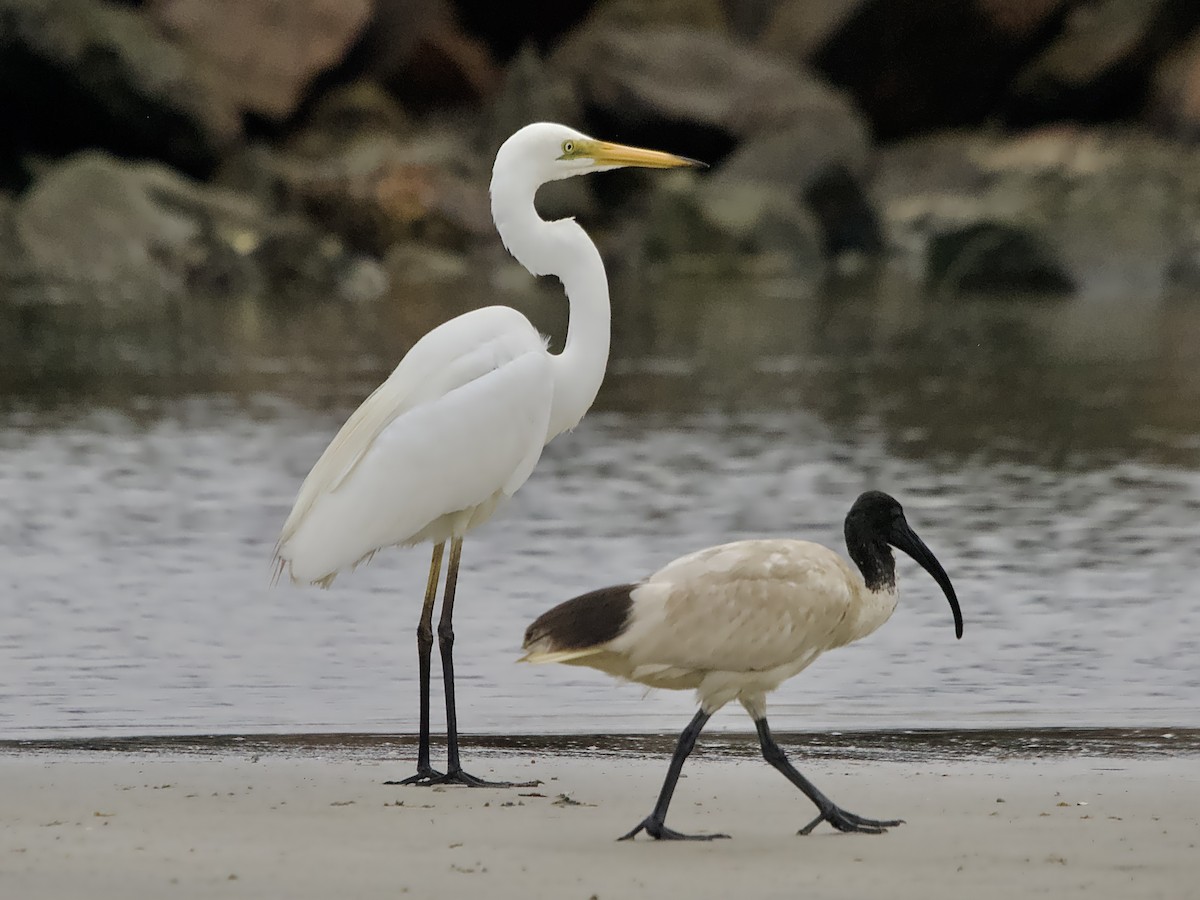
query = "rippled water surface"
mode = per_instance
[{"x": 1048, "y": 453}]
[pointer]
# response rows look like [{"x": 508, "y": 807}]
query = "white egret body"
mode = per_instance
[
  {"x": 461, "y": 422},
  {"x": 735, "y": 621}
]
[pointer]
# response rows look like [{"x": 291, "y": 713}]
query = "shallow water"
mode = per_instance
[{"x": 1048, "y": 453}]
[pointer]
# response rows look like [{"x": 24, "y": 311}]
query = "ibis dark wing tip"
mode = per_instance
[{"x": 588, "y": 620}]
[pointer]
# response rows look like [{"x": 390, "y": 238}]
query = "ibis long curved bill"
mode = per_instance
[{"x": 904, "y": 538}]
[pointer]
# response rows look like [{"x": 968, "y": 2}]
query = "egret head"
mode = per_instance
[
  {"x": 545, "y": 151},
  {"x": 876, "y": 519}
]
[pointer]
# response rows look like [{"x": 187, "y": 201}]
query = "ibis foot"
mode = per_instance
[
  {"x": 660, "y": 832},
  {"x": 848, "y": 821}
]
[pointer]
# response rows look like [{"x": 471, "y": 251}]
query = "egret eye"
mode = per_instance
[{"x": 568, "y": 147}]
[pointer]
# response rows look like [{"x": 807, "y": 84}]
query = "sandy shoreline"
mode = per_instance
[{"x": 140, "y": 825}]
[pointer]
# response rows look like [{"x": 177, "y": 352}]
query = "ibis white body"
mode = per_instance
[{"x": 735, "y": 621}]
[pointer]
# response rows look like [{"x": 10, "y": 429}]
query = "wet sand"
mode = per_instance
[{"x": 125, "y": 825}]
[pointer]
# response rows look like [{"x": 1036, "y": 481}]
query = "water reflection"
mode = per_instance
[{"x": 1050, "y": 459}]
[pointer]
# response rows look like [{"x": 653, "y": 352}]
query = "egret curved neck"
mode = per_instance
[{"x": 563, "y": 249}]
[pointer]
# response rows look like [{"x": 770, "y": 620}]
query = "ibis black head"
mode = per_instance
[{"x": 877, "y": 520}]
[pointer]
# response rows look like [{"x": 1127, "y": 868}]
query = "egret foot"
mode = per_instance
[
  {"x": 660, "y": 832},
  {"x": 425, "y": 776},
  {"x": 458, "y": 776},
  {"x": 848, "y": 821}
]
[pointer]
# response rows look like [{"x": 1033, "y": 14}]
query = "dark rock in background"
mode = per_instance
[
  {"x": 1099, "y": 66},
  {"x": 1174, "y": 106},
  {"x": 343, "y": 144},
  {"x": 994, "y": 258},
  {"x": 798, "y": 29},
  {"x": 420, "y": 50},
  {"x": 262, "y": 54},
  {"x": 915, "y": 65},
  {"x": 631, "y": 15},
  {"x": 1117, "y": 207},
  {"x": 84, "y": 73},
  {"x": 639, "y": 81},
  {"x": 844, "y": 212},
  {"x": 99, "y": 230}
]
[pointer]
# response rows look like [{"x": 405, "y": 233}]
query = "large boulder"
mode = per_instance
[
  {"x": 786, "y": 138},
  {"x": 1099, "y": 65},
  {"x": 263, "y": 54},
  {"x": 421, "y": 51},
  {"x": 378, "y": 184},
  {"x": 1174, "y": 105},
  {"x": 640, "y": 80},
  {"x": 77, "y": 73},
  {"x": 994, "y": 258},
  {"x": 1021, "y": 18},
  {"x": 95, "y": 229},
  {"x": 700, "y": 15},
  {"x": 1105, "y": 210},
  {"x": 798, "y": 29},
  {"x": 917, "y": 65}
]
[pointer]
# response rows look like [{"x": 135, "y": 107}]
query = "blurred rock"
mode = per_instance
[
  {"x": 816, "y": 162},
  {"x": 375, "y": 190},
  {"x": 420, "y": 50},
  {"x": 395, "y": 31},
  {"x": 8, "y": 235},
  {"x": 1120, "y": 205},
  {"x": 1099, "y": 65},
  {"x": 78, "y": 73},
  {"x": 506, "y": 27},
  {"x": 798, "y": 29},
  {"x": 419, "y": 263},
  {"x": 1174, "y": 105},
  {"x": 1020, "y": 18},
  {"x": 263, "y": 54},
  {"x": 677, "y": 75},
  {"x": 706, "y": 227},
  {"x": 917, "y": 65},
  {"x": 347, "y": 113},
  {"x": 701, "y": 15},
  {"x": 95, "y": 229},
  {"x": 994, "y": 258},
  {"x": 844, "y": 212}
]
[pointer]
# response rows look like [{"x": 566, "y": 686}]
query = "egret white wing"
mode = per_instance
[{"x": 460, "y": 421}]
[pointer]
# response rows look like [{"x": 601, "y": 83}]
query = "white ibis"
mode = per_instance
[
  {"x": 461, "y": 422},
  {"x": 734, "y": 622}
]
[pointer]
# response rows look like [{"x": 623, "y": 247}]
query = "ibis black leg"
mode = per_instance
[
  {"x": 454, "y": 770},
  {"x": 830, "y": 812},
  {"x": 426, "y": 774},
  {"x": 653, "y": 824}
]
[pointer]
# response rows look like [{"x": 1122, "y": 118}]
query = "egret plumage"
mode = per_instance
[
  {"x": 735, "y": 621},
  {"x": 460, "y": 423}
]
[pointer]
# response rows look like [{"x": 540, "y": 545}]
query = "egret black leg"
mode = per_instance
[
  {"x": 426, "y": 774},
  {"x": 653, "y": 824},
  {"x": 454, "y": 770},
  {"x": 830, "y": 812}
]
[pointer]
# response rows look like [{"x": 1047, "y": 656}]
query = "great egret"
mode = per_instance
[
  {"x": 734, "y": 622},
  {"x": 461, "y": 422}
]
